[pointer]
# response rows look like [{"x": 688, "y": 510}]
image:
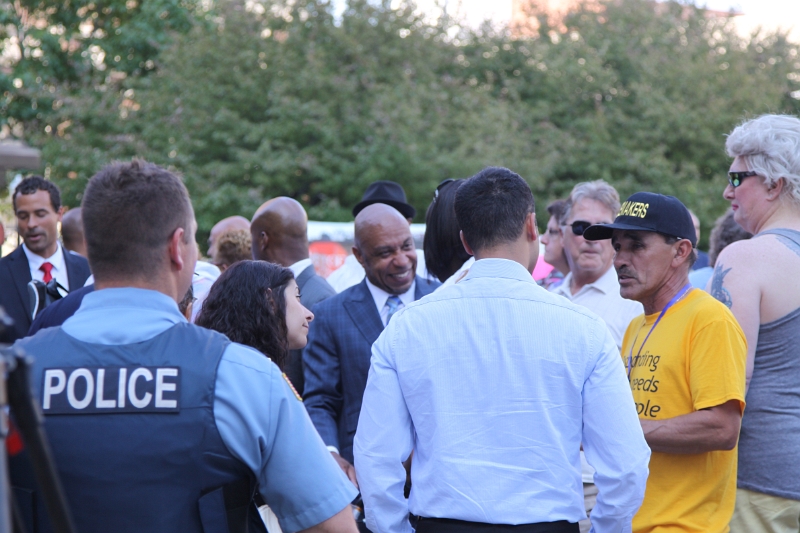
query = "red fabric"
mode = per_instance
[
  {"x": 14, "y": 444},
  {"x": 46, "y": 268}
]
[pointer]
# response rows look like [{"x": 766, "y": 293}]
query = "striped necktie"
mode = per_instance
[{"x": 393, "y": 303}]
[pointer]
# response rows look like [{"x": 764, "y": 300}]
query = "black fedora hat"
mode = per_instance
[{"x": 386, "y": 192}]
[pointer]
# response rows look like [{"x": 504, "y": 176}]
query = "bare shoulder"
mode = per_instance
[
  {"x": 754, "y": 274},
  {"x": 736, "y": 269},
  {"x": 742, "y": 253}
]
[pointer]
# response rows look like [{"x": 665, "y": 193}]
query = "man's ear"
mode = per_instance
[
  {"x": 683, "y": 249},
  {"x": 359, "y": 257},
  {"x": 465, "y": 243},
  {"x": 531, "y": 230},
  {"x": 176, "y": 246},
  {"x": 263, "y": 241}
]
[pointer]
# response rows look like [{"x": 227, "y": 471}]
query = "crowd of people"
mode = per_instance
[{"x": 641, "y": 386}]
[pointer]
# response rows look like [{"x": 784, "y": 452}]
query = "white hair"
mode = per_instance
[
  {"x": 770, "y": 145},
  {"x": 597, "y": 190}
]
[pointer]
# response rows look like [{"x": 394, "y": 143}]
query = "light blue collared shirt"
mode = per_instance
[
  {"x": 494, "y": 383},
  {"x": 258, "y": 417}
]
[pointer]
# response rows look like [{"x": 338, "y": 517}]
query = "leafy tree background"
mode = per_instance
[{"x": 255, "y": 100}]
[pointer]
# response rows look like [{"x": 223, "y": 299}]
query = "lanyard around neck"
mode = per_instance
[{"x": 681, "y": 293}]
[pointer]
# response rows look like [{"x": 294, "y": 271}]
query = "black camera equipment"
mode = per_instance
[
  {"x": 42, "y": 294},
  {"x": 15, "y": 388}
]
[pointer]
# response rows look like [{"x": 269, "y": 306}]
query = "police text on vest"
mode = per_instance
[{"x": 93, "y": 390}]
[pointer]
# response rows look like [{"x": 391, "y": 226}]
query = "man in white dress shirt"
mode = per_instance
[
  {"x": 592, "y": 282},
  {"x": 494, "y": 383}
]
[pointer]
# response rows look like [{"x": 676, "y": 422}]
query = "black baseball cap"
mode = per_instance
[
  {"x": 386, "y": 192},
  {"x": 648, "y": 211}
]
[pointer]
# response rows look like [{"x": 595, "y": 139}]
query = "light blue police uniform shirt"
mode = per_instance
[
  {"x": 494, "y": 383},
  {"x": 258, "y": 416}
]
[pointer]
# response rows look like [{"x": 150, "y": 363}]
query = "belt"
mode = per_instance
[{"x": 449, "y": 525}]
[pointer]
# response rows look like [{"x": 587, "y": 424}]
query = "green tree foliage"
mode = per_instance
[
  {"x": 639, "y": 97},
  {"x": 53, "y": 48},
  {"x": 275, "y": 100}
]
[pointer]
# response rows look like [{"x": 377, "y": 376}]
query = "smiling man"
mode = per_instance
[
  {"x": 337, "y": 356},
  {"x": 685, "y": 360},
  {"x": 37, "y": 206}
]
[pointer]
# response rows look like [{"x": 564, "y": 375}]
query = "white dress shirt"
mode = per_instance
[
  {"x": 493, "y": 383},
  {"x": 298, "y": 267},
  {"x": 603, "y": 299},
  {"x": 456, "y": 277},
  {"x": 59, "y": 271},
  {"x": 380, "y": 296}
]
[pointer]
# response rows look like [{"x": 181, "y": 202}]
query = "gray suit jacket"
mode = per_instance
[{"x": 313, "y": 289}]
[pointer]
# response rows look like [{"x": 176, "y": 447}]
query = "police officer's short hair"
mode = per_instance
[
  {"x": 130, "y": 210},
  {"x": 491, "y": 207}
]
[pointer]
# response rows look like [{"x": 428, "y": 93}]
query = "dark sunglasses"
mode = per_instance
[
  {"x": 579, "y": 226},
  {"x": 442, "y": 184},
  {"x": 735, "y": 178}
]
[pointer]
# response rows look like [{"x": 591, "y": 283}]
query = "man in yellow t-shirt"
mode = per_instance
[{"x": 685, "y": 359}]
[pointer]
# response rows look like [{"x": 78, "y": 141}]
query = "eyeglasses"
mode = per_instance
[
  {"x": 579, "y": 226},
  {"x": 442, "y": 184},
  {"x": 735, "y": 178}
]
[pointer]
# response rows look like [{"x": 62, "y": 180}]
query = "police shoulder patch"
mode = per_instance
[{"x": 289, "y": 382}]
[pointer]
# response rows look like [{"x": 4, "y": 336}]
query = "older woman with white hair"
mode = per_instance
[{"x": 758, "y": 280}]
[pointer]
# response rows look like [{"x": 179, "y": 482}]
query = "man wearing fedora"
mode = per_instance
[
  {"x": 685, "y": 359},
  {"x": 379, "y": 192}
]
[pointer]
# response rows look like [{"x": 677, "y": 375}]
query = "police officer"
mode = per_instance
[{"x": 157, "y": 424}]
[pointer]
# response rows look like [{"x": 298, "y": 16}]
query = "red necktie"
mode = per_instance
[{"x": 46, "y": 268}]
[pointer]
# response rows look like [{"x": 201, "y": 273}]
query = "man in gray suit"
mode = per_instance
[{"x": 280, "y": 235}]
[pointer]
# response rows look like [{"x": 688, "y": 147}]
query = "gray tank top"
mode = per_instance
[{"x": 769, "y": 443}]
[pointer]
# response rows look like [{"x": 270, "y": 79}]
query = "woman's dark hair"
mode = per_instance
[
  {"x": 247, "y": 303},
  {"x": 444, "y": 252}
]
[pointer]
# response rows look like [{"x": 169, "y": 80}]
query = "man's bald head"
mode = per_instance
[
  {"x": 280, "y": 232},
  {"x": 385, "y": 248},
  {"x": 72, "y": 231},
  {"x": 224, "y": 226}
]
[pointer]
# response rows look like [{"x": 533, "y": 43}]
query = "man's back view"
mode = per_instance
[
  {"x": 156, "y": 424},
  {"x": 493, "y": 383}
]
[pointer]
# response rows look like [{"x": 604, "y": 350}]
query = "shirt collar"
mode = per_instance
[
  {"x": 380, "y": 296},
  {"x": 607, "y": 284},
  {"x": 298, "y": 267},
  {"x": 499, "y": 268},
  {"x": 122, "y": 316},
  {"x": 35, "y": 261}
]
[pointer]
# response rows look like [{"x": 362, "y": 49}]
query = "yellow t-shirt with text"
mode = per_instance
[{"x": 694, "y": 359}]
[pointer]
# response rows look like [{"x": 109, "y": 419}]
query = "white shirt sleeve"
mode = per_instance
[
  {"x": 384, "y": 439},
  {"x": 614, "y": 442}
]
